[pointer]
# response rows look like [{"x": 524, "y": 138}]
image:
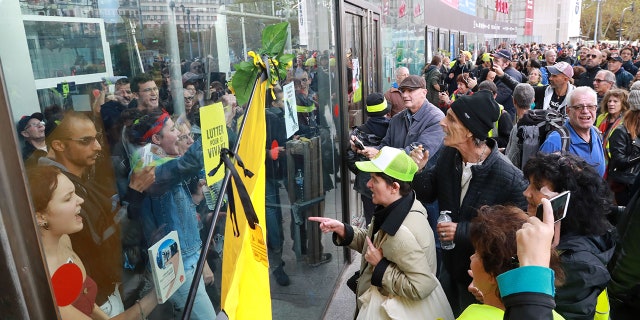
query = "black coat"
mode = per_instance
[
  {"x": 528, "y": 306},
  {"x": 495, "y": 181},
  {"x": 584, "y": 261},
  {"x": 586, "y": 78},
  {"x": 276, "y": 131},
  {"x": 625, "y": 156}
]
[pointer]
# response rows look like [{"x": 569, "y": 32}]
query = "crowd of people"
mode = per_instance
[
  {"x": 582, "y": 108},
  {"x": 451, "y": 139}
]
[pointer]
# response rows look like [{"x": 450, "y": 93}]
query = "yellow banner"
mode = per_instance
[
  {"x": 214, "y": 138},
  {"x": 245, "y": 271}
]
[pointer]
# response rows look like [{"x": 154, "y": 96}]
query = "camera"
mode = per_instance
[{"x": 444, "y": 87}]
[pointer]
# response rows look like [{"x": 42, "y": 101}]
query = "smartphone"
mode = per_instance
[
  {"x": 491, "y": 61},
  {"x": 358, "y": 143},
  {"x": 559, "y": 206}
]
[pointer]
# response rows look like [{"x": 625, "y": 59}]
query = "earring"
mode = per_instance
[{"x": 44, "y": 225}]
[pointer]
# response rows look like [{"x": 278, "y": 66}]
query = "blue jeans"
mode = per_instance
[
  {"x": 273, "y": 217},
  {"x": 202, "y": 307}
]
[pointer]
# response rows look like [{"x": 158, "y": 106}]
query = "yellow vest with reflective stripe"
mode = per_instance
[
  {"x": 305, "y": 108},
  {"x": 494, "y": 132},
  {"x": 487, "y": 312}
]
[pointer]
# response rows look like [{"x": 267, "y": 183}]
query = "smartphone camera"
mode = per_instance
[
  {"x": 559, "y": 206},
  {"x": 358, "y": 143}
]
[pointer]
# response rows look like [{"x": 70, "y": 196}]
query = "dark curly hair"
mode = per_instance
[
  {"x": 493, "y": 235},
  {"x": 141, "y": 125},
  {"x": 591, "y": 198},
  {"x": 138, "y": 80}
]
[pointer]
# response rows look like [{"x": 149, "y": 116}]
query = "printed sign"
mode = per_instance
[{"x": 290, "y": 114}]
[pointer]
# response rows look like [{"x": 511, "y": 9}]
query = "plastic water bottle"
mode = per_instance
[
  {"x": 208, "y": 197},
  {"x": 300, "y": 184},
  {"x": 445, "y": 217}
]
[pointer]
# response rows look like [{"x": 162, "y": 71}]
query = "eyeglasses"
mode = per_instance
[
  {"x": 592, "y": 56},
  {"x": 185, "y": 137},
  {"x": 304, "y": 79},
  {"x": 579, "y": 107},
  {"x": 600, "y": 80},
  {"x": 87, "y": 141},
  {"x": 189, "y": 98},
  {"x": 35, "y": 125},
  {"x": 154, "y": 89}
]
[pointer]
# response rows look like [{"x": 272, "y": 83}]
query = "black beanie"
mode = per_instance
[
  {"x": 477, "y": 112},
  {"x": 375, "y": 107}
]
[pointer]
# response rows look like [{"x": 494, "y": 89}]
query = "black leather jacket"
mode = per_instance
[
  {"x": 624, "y": 267},
  {"x": 624, "y": 161}
]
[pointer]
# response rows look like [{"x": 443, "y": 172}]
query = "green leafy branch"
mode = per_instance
[{"x": 274, "y": 39}]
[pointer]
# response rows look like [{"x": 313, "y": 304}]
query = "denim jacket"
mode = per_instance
[{"x": 168, "y": 206}]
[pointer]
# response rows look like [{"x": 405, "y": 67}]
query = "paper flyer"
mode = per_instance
[
  {"x": 290, "y": 112},
  {"x": 166, "y": 266}
]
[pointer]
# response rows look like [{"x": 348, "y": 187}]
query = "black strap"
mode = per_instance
[{"x": 245, "y": 199}]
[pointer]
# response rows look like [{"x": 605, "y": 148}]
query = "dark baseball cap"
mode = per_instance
[
  {"x": 504, "y": 53},
  {"x": 413, "y": 82},
  {"x": 616, "y": 57},
  {"x": 22, "y": 124}
]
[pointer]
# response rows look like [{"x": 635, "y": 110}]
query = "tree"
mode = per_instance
[{"x": 610, "y": 14}]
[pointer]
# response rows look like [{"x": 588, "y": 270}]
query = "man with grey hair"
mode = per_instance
[
  {"x": 604, "y": 81},
  {"x": 523, "y": 95},
  {"x": 549, "y": 58},
  {"x": 585, "y": 141},
  {"x": 393, "y": 95}
]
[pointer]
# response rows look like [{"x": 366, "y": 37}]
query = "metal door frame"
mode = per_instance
[
  {"x": 27, "y": 294},
  {"x": 369, "y": 13}
]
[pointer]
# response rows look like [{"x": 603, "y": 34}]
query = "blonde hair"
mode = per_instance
[{"x": 182, "y": 124}]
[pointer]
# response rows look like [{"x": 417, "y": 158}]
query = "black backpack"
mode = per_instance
[{"x": 533, "y": 129}]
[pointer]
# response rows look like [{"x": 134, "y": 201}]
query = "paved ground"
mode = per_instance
[{"x": 343, "y": 302}]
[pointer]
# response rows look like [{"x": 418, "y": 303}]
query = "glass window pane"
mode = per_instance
[{"x": 75, "y": 57}]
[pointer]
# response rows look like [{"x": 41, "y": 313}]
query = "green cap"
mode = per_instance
[{"x": 391, "y": 161}]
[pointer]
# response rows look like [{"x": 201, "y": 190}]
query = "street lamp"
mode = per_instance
[
  {"x": 597, "y": 28},
  {"x": 198, "y": 34},
  {"x": 188, "y": 12},
  {"x": 622, "y": 18}
]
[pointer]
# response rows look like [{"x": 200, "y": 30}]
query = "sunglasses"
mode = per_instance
[
  {"x": 592, "y": 56},
  {"x": 87, "y": 141},
  {"x": 35, "y": 125}
]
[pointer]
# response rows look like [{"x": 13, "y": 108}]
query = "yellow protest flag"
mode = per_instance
[{"x": 245, "y": 269}]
